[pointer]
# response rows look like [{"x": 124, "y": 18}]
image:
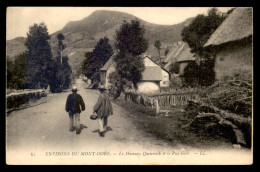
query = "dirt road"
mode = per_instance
[{"x": 40, "y": 135}]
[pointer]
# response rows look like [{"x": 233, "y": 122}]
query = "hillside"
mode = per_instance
[
  {"x": 81, "y": 36},
  {"x": 15, "y": 47}
]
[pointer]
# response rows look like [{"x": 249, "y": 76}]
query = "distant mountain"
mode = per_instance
[
  {"x": 15, "y": 47},
  {"x": 81, "y": 36}
]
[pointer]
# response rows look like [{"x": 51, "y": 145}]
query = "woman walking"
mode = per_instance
[{"x": 103, "y": 108}]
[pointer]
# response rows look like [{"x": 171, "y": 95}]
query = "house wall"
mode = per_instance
[
  {"x": 182, "y": 66},
  {"x": 110, "y": 70},
  {"x": 166, "y": 79},
  {"x": 102, "y": 77},
  {"x": 233, "y": 60},
  {"x": 148, "y": 86},
  {"x": 165, "y": 75},
  {"x": 148, "y": 62}
]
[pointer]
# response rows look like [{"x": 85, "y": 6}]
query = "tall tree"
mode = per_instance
[
  {"x": 96, "y": 59},
  {"x": 131, "y": 43},
  {"x": 39, "y": 57},
  {"x": 166, "y": 51},
  {"x": 67, "y": 72},
  {"x": 62, "y": 74},
  {"x": 85, "y": 65},
  {"x": 102, "y": 51},
  {"x": 201, "y": 28},
  {"x": 157, "y": 44},
  {"x": 60, "y": 38},
  {"x": 196, "y": 35},
  {"x": 130, "y": 38},
  {"x": 130, "y": 67}
]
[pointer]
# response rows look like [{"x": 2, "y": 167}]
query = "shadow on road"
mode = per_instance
[
  {"x": 108, "y": 129},
  {"x": 82, "y": 126}
]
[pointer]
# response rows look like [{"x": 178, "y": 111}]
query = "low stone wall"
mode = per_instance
[{"x": 15, "y": 99}]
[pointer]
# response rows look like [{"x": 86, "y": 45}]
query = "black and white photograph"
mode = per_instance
[{"x": 129, "y": 85}]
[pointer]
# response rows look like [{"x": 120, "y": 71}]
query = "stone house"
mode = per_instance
[{"x": 231, "y": 45}]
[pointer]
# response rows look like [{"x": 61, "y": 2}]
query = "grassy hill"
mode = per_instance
[
  {"x": 81, "y": 36},
  {"x": 15, "y": 47}
]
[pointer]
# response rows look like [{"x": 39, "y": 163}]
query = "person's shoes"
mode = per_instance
[
  {"x": 71, "y": 129},
  {"x": 77, "y": 131},
  {"x": 102, "y": 134}
]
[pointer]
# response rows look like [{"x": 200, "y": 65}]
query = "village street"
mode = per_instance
[{"x": 34, "y": 134}]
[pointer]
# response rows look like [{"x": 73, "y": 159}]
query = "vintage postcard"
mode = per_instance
[{"x": 129, "y": 86}]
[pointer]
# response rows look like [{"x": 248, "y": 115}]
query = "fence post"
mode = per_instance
[{"x": 157, "y": 106}]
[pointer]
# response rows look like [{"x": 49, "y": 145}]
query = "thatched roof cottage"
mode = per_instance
[{"x": 231, "y": 44}]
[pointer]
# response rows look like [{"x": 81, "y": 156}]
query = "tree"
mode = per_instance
[
  {"x": 201, "y": 28},
  {"x": 9, "y": 70},
  {"x": 16, "y": 72},
  {"x": 64, "y": 65},
  {"x": 166, "y": 51},
  {"x": 39, "y": 57},
  {"x": 207, "y": 73},
  {"x": 62, "y": 74},
  {"x": 130, "y": 38},
  {"x": 157, "y": 44},
  {"x": 20, "y": 69},
  {"x": 131, "y": 44},
  {"x": 85, "y": 65},
  {"x": 117, "y": 86},
  {"x": 196, "y": 35},
  {"x": 102, "y": 51},
  {"x": 67, "y": 71},
  {"x": 174, "y": 68},
  {"x": 130, "y": 67},
  {"x": 61, "y": 37},
  {"x": 96, "y": 59},
  {"x": 191, "y": 74}
]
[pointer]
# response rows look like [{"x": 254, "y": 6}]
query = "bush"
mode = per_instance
[
  {"x": 175, "y": 68},
  {"x": 16, "y": 72},
  {"x": 14, "y": 101},
  {"x": 116, "y": 85},
  {"x": 191, "y": 74}
]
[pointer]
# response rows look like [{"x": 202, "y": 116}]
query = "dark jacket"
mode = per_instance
[
  {"x": 103, "y": 106},
  {"x": 74, "y": 101}
]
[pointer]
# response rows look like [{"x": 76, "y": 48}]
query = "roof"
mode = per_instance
[
  {"x": 238, "y": 25},
  {"x": 149, "y": 57},
  {"x": 173, "y": 53},
  {"x": 108, "y": 63},
  {"x": 184, "y": 54},
  {"x": 152, "y": 73}
]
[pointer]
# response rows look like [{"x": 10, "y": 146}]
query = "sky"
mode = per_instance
[{"x": 19, "y": 19}]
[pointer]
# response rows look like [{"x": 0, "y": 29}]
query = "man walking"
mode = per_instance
[
  {"x": 103, "y": 108},
  {"x": 74, "y": 106}
]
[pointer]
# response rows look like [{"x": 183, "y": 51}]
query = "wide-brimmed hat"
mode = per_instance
[{"x": 74, "y": 88}]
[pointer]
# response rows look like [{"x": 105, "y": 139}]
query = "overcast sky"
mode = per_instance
[{"x": 20, "y": 18}]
